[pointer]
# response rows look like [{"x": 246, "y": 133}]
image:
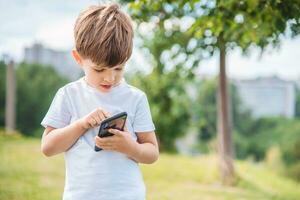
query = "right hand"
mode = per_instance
[{"x": 94, "y": 118}]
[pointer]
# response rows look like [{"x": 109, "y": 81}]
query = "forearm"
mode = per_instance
[
  {"x": 146, "y": 153},
  {"x": 61, "y": 139}
]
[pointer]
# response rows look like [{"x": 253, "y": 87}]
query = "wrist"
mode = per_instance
[
  {"x": 135, "y": 151},
  {"x": 80, "y": 125}
]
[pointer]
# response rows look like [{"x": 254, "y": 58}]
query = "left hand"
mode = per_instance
[{"x": 121, "y": 141}]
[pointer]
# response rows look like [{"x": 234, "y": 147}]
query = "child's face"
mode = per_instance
[{"x": 101, "y": 77}]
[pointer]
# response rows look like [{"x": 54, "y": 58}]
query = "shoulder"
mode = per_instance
[
  {"x": 71, "y": 87},
  {"x": 134, "y": 92}
]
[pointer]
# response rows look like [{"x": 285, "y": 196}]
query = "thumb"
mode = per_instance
[{"x": 125, "y": 128}]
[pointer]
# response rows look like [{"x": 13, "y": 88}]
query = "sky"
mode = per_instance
[{"x": 51, "y": 22}]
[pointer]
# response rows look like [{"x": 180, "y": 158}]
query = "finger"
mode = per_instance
[
  {"x": 94, "y": 121},
  {"x": 100, "y": 114},
  {"x": 91, "y": 121},
  {"x": 105, "y": 146},
  {"x": 104, "y": 140},
  {"x": 115, "y": 131},
  {"x": 108, "y": 148},
  {"x": 97, "y": 138},
  {"x": 106, "y": 114},
  {"x": 99, "y": 117}
]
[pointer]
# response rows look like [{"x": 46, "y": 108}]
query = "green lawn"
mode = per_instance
[{"x": 25, "y": 174}]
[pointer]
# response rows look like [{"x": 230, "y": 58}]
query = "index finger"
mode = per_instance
[
  {"x": 104, "y": 139},
  {"x": 106, "y": 114},
  {"x": 115, "y": 131}
]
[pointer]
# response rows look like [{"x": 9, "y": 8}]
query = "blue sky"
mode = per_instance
[{"x": 51, "y": 22}]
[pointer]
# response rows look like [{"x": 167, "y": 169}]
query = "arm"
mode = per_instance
[
  {"x": 55, "y": 141},
  {"x": 144, "y": 150}
]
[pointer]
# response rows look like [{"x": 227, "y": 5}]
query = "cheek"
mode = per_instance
[
  {"x": 92, "y": 76},
  {"x": 119, "y": 76}
]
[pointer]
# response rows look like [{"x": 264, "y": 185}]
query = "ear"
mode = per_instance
[{"x": 76, "y": 57}]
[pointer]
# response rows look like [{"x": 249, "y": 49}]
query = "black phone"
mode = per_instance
[{"x": 115, "y": 122}]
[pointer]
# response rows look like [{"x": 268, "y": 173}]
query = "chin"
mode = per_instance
[{"x": 105, "y": 91}]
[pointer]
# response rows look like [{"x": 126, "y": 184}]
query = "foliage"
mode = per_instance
[
  {"x": 170, "y": 105},
  {"x": 206, "y": 110},
  {"x": 290, "y": 147},
  {"x": 206, "y": 113},
  {"x": 297, "y": 109},
  {"x": 252, "y": 136},
  {"x": 36, "y": 86},
  {"x": 167, "y": 85},
  {"x": 237, "y": 23},
  {"x": 198, "y": 29},
  {"x": 258, "y": 138},
  {"x": 270, "y": 133}
]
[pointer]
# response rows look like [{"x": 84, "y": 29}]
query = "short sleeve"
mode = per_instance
[
  {"x": 58, "y": 115},
  {"x": 143, "y": 120}
]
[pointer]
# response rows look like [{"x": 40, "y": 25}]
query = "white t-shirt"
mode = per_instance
[{"x": 104, "y": 175}]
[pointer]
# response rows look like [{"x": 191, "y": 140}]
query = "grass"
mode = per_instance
[{"x": 25, "y": 174}]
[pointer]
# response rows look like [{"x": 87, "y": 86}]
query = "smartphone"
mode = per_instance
[{"x": 115, "y": 122}]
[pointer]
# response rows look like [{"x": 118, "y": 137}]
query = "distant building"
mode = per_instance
[
  {"x": 268, "y": 96},
  {"x": 62, "y": 61}
]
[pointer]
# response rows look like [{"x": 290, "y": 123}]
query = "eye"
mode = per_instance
[
  {"x": 118, "y": 69},
  {"x": 99, "y": 70}
]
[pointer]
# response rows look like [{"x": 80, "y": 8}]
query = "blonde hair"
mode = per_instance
[{"x": 104, "y": 34}]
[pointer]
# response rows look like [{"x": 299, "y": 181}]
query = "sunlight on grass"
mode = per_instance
[{"x": 26, "y": 174}]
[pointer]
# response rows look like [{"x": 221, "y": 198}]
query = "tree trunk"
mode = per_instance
[
  {"x": 225, "y": 147},
  {"x": 10, "y": 102}
]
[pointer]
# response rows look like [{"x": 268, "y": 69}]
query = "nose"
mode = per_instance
[{"x": 109, "y": 76}]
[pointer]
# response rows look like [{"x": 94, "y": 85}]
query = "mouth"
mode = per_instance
[{"x": 106, "y": 87}]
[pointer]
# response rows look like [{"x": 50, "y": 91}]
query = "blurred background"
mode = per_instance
[{"x": 222, "y": 78}]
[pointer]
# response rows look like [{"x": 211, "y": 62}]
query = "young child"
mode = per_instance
[{"x": 103, "y": 38}]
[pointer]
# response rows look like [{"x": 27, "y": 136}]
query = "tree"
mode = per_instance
[
  {"x": 166, "y": 88},
  {"x": 217, "y": 27},
  {"x": 244, "y": 125},
  {"x": 167, "y": 84},
  {"x": 297, "y": 109},
  {"x": 2, "y": 92},
  {"x": 205, "y": 109},
  {"x": 169, "y": 105},
  {"x": 36, "y": 86}
]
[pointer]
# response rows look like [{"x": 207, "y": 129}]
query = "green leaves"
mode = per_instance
[
  {"x": 213, "y": 24},
  {"x": 243, "y": 23},
  {"x": 169, "y": 102},
  {"x": 36, "y": 86}
]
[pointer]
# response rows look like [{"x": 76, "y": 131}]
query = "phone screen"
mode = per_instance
[{"x": 115, "y": 122}]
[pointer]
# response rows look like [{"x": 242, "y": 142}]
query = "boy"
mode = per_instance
[{"x": 103, "y": 37}]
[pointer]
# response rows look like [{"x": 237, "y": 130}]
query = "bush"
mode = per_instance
[
  {"x": 293, "y": 170},
  {"x": 36, "y": 87}
]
